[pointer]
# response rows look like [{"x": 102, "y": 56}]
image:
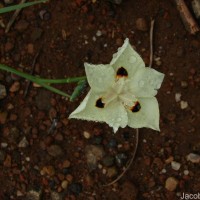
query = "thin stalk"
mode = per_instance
[
  {"x": 64, "y": 80},
  {"x": 20, "y": 6},
  {"x": 52, "y": 89},
  {"x": 19, "y": 73},
  {"x": 39, "y": 81}
]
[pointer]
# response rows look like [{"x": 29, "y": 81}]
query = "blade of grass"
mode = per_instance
[
  {"x": 52, "y": 89},
  {"x": 19, "y": 6},
  {"x": 33, "y": 79},
  {"x": 64, "y": 80}
]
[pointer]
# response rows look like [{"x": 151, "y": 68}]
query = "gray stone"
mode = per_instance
[
  {"x": 54, "y": 150},
  {"x": 93, "y": 153},
  {"x": 33, "y": 195},
  {"x": 56, "y": 196}
]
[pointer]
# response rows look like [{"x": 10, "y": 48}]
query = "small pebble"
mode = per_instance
[
  {"x": 69, "y": 178},
  {"x": 169, "y": 160},
  {"x": 163, "y": 171},
  {"x": 158, "y": 63},
  {"x": 119, "y": 42},
  {"x": 33, "y": 195},
  {"x": 54, "y": 150},
  {"x": 186, "y": 172},
  {"x": 121, "y": 159},
  {"x": 14, "y": 87},
  {"x": 111, "y": 172},
  {"x": 177, "y": 97},
  {"x": 104, "y": 171},
  {"x": 30, "y": 48},
  {"x": 88, "y": 180},
  {"x": 183, "y": 104},
  {"x": 194, "y": 158},
  {"x": 98, "y": 33},
  {"x": 94, "y": 38},
  {"x": 171, "y": 184},
  {"x": 8, "y": 1},
  {"x": 184, "y": 84},
  {"x": 3, "y": 92},
  {"x": 56, "y": 196},
  {"x": 45, "y": 15},
  {"x": 23, "y": 143},
  {"x": 27, "y": 159},
  {"x": 48, "y": 170},
  {"x": 141, "y": 24},
  {"x": 19, "y": 193},
  {"x": 93, "y": 154},
  {"x": 128, "y": 191},
  {"x": 86, "y": 134},
  {"x": 66, "y": 164},
  {"x": 7, "y": 161},
  {"x": 64, "y": 184},
  {"x": 175, "y": 165},
  {"x": 4, "y": 145}
]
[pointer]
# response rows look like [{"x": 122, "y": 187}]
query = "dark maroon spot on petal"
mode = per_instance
[
  {"x": 99, "y": 103},
  {"x": 136, "y": 107},
  {"x": 122, "y": 72}
]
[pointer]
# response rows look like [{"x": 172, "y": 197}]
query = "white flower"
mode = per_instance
[{"x": 122, "y": 92}]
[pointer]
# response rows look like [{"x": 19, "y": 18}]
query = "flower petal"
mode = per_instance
[
  {"x": 127, "y": 58},
  {"x": 114, "y": 114},
  {"x": 147, "y": 116},
  {"x": 100, "y": 77},
  {"x": 146, "y": 82}
]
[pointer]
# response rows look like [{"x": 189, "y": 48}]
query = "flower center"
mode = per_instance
[{"x": 119, "y": 92}]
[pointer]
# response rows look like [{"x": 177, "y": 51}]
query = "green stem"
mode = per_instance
[
  {"x": 19, "y": 73},
  {"x": 44, "y": 85},
  {"x": 41, "y": 81},
  {"x": 64, "y": 80},
  {"x": 20, "y": 6}
]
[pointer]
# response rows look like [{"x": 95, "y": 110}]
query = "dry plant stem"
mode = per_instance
[
  {"x": 151, "y": 43},
  {"x": 188, "y": 21},
  {"x": 130, "y": 162},
  {"x": 32, "y": 71},
  {"x": 12, "y": 19}
]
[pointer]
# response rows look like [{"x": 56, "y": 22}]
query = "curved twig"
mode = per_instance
[
  {"x": 151, "y": 42},
  {"x": 129, "y": 163}
]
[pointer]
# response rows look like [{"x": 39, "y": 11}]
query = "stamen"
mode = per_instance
[
  {"x": 136, "y": 107},
  {"x": 122, "y": 72},
  {"x": 99, "y": 103}
]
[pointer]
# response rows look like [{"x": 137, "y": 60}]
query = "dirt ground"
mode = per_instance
[{"x": 36, "y": 163}]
